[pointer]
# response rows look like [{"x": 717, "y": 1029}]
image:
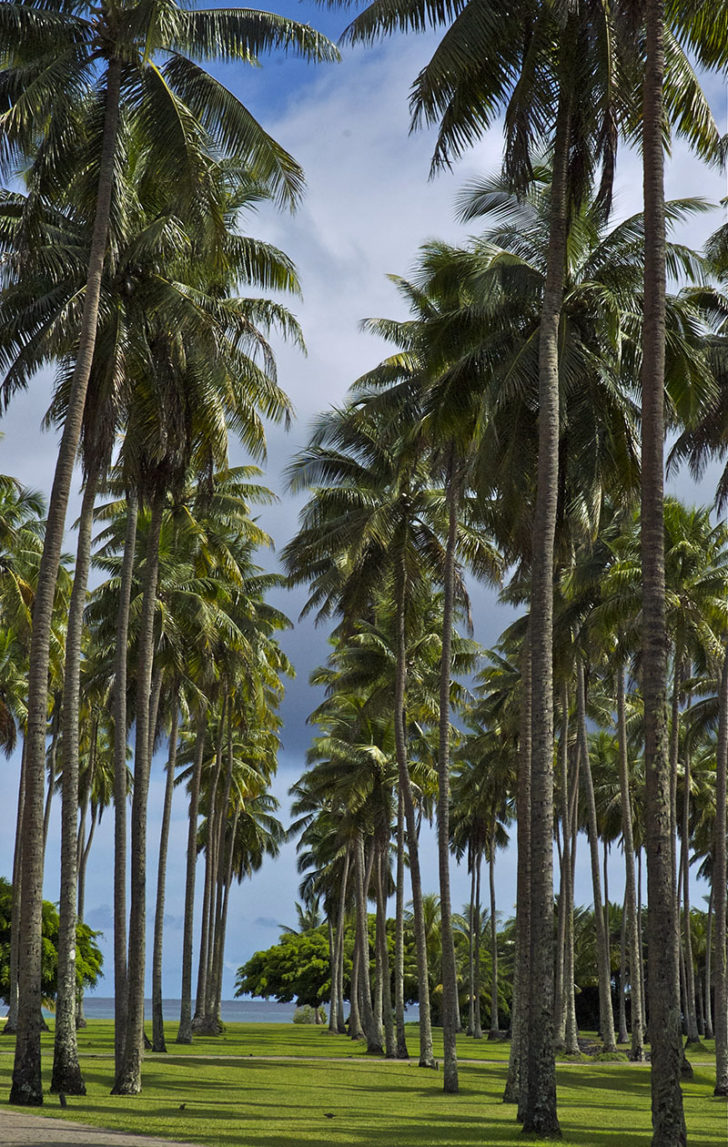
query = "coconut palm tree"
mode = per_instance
[{"x": 55, "y": 56}]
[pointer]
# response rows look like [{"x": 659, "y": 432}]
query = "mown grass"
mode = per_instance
[{"x": 251, "y": 1102}]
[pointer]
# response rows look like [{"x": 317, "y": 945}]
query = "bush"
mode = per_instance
[{"x": 309, "y": 1015}]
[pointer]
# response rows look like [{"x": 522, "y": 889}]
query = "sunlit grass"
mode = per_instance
[{"x": 252, "y": 1102}]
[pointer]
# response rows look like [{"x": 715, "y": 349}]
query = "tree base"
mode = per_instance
[
  {"x": 721, "y": 1090},
  {"x": 25, "y": 1095}
]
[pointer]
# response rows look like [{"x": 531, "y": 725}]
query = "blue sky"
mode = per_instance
[{"x": 368, "y": 207}]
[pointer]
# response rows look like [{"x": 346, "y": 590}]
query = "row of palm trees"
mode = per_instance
[
  {"x": 122, "y": 264},
  {"x": 431, "y": 470},
  {"x": 504, "y": 430}
]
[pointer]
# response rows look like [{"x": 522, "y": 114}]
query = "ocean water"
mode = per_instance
[{"x": 233, "y": 1011}]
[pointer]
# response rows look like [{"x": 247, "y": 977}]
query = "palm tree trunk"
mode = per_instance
[
  {"x": 690, "y": 1012},
  {"x": 158, "y": 1043},
  {"x": 635, "y": 961},
  {"x": 668, "y": 1120},
  {"x": 718, "y": 884},
  {"x": 355, "y": 1029},
  {"x": 623, "y": 1036},
  {"x": 708, "y": 969},
  {"x": 427, "y": 1058},
  {"x": 128, "y": 1081},
  {"x": 539, "y": 1113},
  {"x": 371, "y": 1030},
  {"x": 606, "y": 1016},
  {"x": 571, "y": 1046},
  {"x": 11, "y": 1023},
  {"x": 402, "y": 1052},
  {"x": 67, "y": 1075},
  {"x": 205, "y": 962},
  {"x": 390, "y": 1049},
  {"x": 337, "y": 1007},
  {"x": 517, "y": 1078},
  {"x": 184, "y": 1034},
  {"x": 27, "y": 1087},
  {"x": 478, "y": 1029},
  {"x": 565, "y": 872},
  {"x": 120, "y": 780},
  {"x": 471, "y": 943},
  {"x": 494, "y": 1027},
  {"x": 51, "y": 769},
  {"x": 450, "y": 1017}
]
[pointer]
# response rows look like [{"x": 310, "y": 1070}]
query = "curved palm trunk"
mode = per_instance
[
  {"x": 129, "y": 1080},
  {"x": 539, "y": 1113},
  {"x": 158, "y": 1043},
  {"x": 52, "y": 758},
  {"x": 184, "y": 1034},
  {"x": 427, "y": 1058},
  {"x": 27, "y": 1088},
  {"x": 632, "y": 923},
  {"x": 402, "y": 1052},
  {"x": 606, "y": 1014},
  {"x": 450, "y": 1016},
  {"x": 668, "y": 1120},
  {"x": 720, "y": 1019},
  {"x": 517, "y": 1078},
  {"x": 67, "y": 1075},
  {"x": 120, "y": 779}
]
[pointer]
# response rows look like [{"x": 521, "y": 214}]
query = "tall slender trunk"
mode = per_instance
[
  {"x": 371, "y": 1029},
  {"x": 635, "y": 959},
  {"x": 51, "y": 769},
  {"x": 690, "y": 1012},
  {"x": 27, "y": 1087},
  {"x": 718, "y": 883},
  {"x": 184, "y": 1034},
  {"x": 427, "y": 1058},
  {"x": 471, "y": 942},
  {"x": 11, "y": 1023},
  {"x": 539, "y": 1113},
  {"x": 402, "y": 1052},
  {"x": 67, "y": 1075},
  {"x": 571, "y": 1046},
  {"x": 335, "y": 1017},
  {"x": 565, "y": 872},
  {"x": 205, "y": 961},
  {"x": 623, "y": 1036},
  {"x": 606, "y": 1016},
  {"x": 478, "y": 1028},
  {"x": 517, "y": 1078},
  {"x": 120, "y": 779},
  {"x": 158, "y": 1043},
  {"x": 668, "y": 1120},
  {"x": 390, "y": 1047},
  {"x": 355, "y": 1029},
  {"x": 129, "y": 1080},
  {"x": 708, "y": 969},
  {"x": 494, "y": 1028},
  {"x": 450, "y": 1016}
]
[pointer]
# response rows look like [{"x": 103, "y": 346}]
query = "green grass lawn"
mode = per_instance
[{"x": 250, "y": 1102}]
